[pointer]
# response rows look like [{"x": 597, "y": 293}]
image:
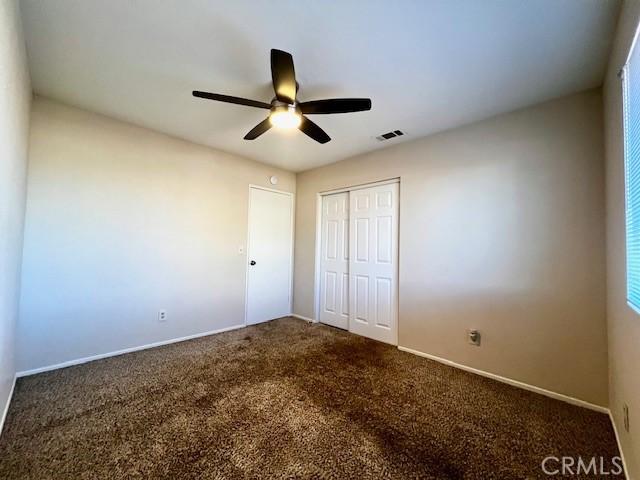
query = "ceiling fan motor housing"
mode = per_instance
[{"x": 278, "y": 106}]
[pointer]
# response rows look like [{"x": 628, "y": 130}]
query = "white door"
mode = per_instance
[
  {"x": 373, "y": 262},
  {"x": 334, "y": 261},
  {"x": 269, "y": 254}
]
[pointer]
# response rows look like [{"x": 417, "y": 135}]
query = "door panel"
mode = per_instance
[
  {"x": 332, "y": 240},
  {"x": 361, "y": 313},
  {"x": 345, "y": 294},
  {"x": 384, "y": 299},
  {"x": 373, "y": 267},
  {"x": 384, "y": 231},
  {"x": 330, "y": 292},
  {"x": 362, "y": 240},
  {"x": 270, "y": 247},
  {"x": 334, "y": 261}
]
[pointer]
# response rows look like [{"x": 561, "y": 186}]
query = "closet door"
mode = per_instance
[
  {"x": 334, "y": 263},
  {"x": 373, "y": 262}
]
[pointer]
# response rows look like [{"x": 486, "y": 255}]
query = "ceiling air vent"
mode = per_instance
[{"x": 390, "y": 135}]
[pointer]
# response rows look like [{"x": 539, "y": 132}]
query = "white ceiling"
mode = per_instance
[{"x": 426, "y": 65}]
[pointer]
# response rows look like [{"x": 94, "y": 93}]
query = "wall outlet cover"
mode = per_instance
[{"x": 162, "y": 315}]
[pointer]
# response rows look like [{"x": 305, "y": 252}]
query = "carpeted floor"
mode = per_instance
[{"x": 285, "y": 399}]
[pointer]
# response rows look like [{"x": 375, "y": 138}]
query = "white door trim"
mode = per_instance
[
  {"x": 361, "y": 186},
  {"x": 291, "y": 195},
  {"x": 318, "y": 249}
]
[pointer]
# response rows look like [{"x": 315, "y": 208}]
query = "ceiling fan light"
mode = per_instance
[{"x": 285, "y": 118}]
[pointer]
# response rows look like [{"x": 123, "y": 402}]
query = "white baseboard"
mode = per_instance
[
  {"x": 615, "y": 431},
  {"x": 510, "y": 381},
  {"x": 6, "y": 407},
  {"x": 100, "y": 356},
  {"x": 306, "y": 319}
]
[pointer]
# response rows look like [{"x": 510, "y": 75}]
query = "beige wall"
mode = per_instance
[
  {"x": 122, "y": 222},
  {"x": 623, "y": 323},
  {"x": 15, "y": 98},
  {"x": 501, "y": 229}
]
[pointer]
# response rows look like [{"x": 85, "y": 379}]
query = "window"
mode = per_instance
[{"x": 631, "y": 113}]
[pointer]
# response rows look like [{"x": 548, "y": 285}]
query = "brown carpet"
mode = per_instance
[{"x": 285, "y": 399}]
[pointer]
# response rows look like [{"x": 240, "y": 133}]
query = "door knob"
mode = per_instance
[{"x": 252, "y": 262}]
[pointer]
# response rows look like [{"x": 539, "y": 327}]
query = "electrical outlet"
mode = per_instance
[
  {"x": 625, "y": 416},
  {"x": 162, "y": 316},
  {"x": 474, "y": 337}
]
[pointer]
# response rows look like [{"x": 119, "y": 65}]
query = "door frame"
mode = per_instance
[
  {"x": 318, "y": 248},
  {"x": 291, "y": 196}
]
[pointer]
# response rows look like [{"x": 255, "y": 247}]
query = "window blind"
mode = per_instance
[{"x": 631, "y": 115}]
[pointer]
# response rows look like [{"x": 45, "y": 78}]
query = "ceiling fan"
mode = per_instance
[{"x": 286, "y": 111}]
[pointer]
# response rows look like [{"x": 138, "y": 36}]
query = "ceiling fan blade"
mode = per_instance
[
  {"x": 335, "y": 105},
  {"x": 314, "y": 131},
  {"x": 229, "y": 99},
  {"x": 258, "y": 130},
  {"x": 283, "y": 76}
]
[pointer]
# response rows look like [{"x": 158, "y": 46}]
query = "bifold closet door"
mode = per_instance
[
  {"x": 334, "y": 263},
  {"x": 373, "y": 262}
]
